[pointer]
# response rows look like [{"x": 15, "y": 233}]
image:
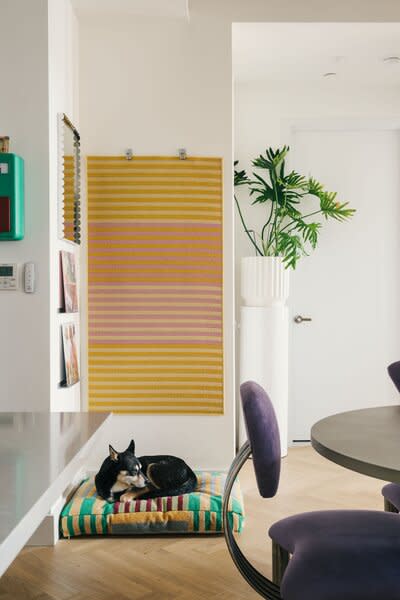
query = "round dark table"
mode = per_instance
[{"x": 366, "y": 441}]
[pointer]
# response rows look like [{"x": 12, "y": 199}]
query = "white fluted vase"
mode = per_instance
[{"x": 264, "y": 330}]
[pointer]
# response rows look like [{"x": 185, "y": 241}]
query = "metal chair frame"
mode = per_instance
[{"x": 262, "y": 585}]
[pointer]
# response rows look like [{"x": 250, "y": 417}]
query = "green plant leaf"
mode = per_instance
[
  {"x": 240, "y": 177},
  {"x": 291, "y": 248},
  {"x": 330, "y": 208},
  {"x": 309, "y": 232}
]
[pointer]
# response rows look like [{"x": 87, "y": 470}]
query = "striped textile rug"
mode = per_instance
[
  {"x": 155, "y": 285},
  {"x": 199, "y": 512}
]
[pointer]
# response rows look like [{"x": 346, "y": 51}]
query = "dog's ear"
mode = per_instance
[
  {"x": 131, "y": 447},
  {"x": 113, "y": 454}
]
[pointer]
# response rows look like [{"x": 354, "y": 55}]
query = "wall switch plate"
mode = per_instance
[{"x": 29, "y": 277}]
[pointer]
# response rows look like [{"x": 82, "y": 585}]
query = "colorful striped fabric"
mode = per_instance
[
  {"x": 155, "y": 285},
  {"x": 199, "y": 512},
  {"x": 69, "y": 198}
]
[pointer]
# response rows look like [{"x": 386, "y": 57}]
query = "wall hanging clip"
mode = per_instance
[
  {"x": 129, "y": 154},
  {"x": 182, "y": 153}
]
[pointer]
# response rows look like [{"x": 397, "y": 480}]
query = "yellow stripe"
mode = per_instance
[
  {"x": 159, "y": 411},
  {"x": 213, "y": 521},
  {"x": 176, "y": 361},
  {"x": 179, "y": 350},
  {"x": 171, "y": 404},
  {"x": 154, "y": 377},
  {"x": 146, "y": 216},
  {"x": 75, "y": 525},
  {"x": 86, "y": 523},
  {"x": 147, "y": 370},
  {"x": 205, "y": 497},
  {"x": 156, "y": 393},
  {"x": 99, "y": 525}
]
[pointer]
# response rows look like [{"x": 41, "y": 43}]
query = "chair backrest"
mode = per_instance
[
  {"x": 394, "y": 372},
  {"x": 263, "y": 435}
]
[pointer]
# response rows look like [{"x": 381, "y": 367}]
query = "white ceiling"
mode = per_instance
[
  {"x": 141, "y": 8},
  {"x": 294, "y": 52}
]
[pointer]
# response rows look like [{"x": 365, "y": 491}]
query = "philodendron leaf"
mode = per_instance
[
  {"x": 330, "y": 208},
  {"x": 290, "y": 247},
  {"x": 240, "y": 177},
  {"x": 309, "y": 232}
]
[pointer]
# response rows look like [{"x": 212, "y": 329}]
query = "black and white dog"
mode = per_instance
[{"x": 125, "y": 477}]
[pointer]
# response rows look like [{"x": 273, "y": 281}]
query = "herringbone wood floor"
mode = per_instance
[{"x": 185, "y": 568}]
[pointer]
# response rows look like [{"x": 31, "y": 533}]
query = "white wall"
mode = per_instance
[
  {"x": 36, "y": 83},
  {"x": 24, "y": 322},
  {"x": 156, "y": 87}
]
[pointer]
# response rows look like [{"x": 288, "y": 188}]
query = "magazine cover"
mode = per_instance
[
  {"x": 70, "y": 354},
  {"x": 70, "y": 287}
]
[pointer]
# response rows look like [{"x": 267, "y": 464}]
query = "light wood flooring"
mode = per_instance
[{"x": 185, "y": 568}]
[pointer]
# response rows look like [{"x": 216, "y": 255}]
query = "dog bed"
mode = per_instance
[{"x": 199, "y": 512}]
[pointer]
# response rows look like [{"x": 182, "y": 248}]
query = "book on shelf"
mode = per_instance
[
  {"x": 69, "y": 296},
  {"x": 70, "y": 353}
]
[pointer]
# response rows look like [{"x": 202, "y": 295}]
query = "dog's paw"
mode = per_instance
[{"x": 127, "y": 497}]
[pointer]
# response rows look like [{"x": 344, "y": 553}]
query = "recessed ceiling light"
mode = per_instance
[
  {"x": 391, "y": 60},
  {"x": 329, "y": 74}
]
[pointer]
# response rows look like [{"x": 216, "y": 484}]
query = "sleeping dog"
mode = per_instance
[{"x": 125, "y": 477}]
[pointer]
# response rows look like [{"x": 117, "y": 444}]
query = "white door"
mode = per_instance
[{"x": 350, "y": 286}]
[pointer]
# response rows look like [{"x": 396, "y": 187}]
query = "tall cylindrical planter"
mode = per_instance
[{"x": 264, "y": 334}]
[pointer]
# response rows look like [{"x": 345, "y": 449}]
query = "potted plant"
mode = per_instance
[{"x": 290, "y": 230}]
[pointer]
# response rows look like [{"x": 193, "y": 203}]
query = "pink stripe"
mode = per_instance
[
  {"x": 175, "y": 342},
  {"x": 137, "y": 506},
  {"x": 180, "y": 502},
  {"x": 156, "y": 322},
  {"x": 127, "y": 507},
  {"x": 148, "y": 505},
  {"x": 158, "y": 328},
  {"x": 169, "y": 503},
  {"x": 212, "y": 340},
  {"x": 188, "y": 333},
  {"x": 159, "y": 504},
  {"x": 183, "y": 320}
]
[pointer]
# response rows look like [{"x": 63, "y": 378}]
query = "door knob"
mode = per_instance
[{"x": 300, "y": 319}]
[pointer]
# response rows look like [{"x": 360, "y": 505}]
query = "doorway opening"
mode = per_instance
[{"x": 331, "y": 92}]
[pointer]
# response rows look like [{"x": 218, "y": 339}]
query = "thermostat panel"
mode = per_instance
[{"x": 8, "y": 276}]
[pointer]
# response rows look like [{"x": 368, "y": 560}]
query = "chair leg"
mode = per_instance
[
  {"x": 389, "y": 507},
  {"x": 280, "y": 560}
]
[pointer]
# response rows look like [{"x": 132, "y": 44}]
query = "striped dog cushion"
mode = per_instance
[{"x": 199, "y": 512}]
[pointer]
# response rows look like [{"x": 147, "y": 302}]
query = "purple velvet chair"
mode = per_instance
[
  {"x": 391, "y": 491},
  {"x": 322, "y": 555}
]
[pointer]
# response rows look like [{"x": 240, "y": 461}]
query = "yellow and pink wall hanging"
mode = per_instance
[{"x": 155, "y": 285}]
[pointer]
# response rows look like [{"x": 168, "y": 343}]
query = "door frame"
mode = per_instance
[{"x": 289, "y": 128}]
